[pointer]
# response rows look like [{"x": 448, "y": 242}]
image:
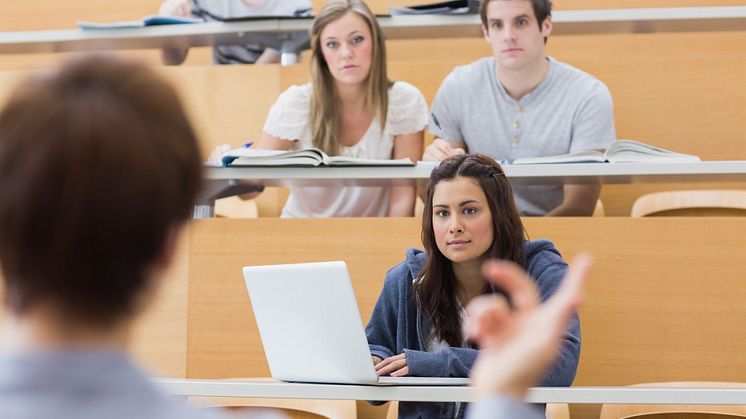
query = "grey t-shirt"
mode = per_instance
[
  {"x": 218, "y": 10},
  {"x": 569, "y": 110}
]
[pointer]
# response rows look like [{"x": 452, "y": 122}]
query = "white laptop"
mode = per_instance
[{"x": 311, "y": 329}]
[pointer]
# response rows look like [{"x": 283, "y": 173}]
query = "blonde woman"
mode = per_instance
[{"x": 350, "y": 108}]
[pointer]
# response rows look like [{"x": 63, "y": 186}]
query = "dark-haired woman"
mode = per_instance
[{"x": 416, "y": 326}]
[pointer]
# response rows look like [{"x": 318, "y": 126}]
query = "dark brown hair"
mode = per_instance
[
  {"x": 435, "y": 287},
  {"x": 98, "y": 163},
  {"x": 542, "y": 9}
]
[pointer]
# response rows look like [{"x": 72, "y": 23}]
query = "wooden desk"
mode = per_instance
[
  {"x": 524, "y": 174},
  {"x": 222, "y": 182},
  {"x": 291, "y": 35},
  {"x": 582, "y": 395}
]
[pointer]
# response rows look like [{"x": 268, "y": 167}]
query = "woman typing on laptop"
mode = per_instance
[{"x": 416, "y": 326}]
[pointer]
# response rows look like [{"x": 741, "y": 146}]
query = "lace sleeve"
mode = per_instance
[
  {"x": 407, "y": 111},
  {"x": 288, "y": 117}
]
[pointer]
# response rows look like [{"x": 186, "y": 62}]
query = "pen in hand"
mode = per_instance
[
  {"x": 437, "y": 125},
  {"x": 441, "y": 148}
]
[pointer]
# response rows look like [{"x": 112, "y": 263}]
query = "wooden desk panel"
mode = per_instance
[
  {"x": 665, "y": 301},
  {"x": 223, "y": 340},
  {"x": 227, "y": 104},
  {"x": 160, "y": 335}
]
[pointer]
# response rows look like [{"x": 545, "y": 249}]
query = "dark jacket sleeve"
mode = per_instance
[
  {"x": 382, "y": 329},
  {"x": 548, "y": 271},
  {"x": 450, "y": 362}
]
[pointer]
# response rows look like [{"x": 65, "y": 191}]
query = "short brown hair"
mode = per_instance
[
  {"x": 98, "y": 163},
  {"x": 542, "y": 9}
]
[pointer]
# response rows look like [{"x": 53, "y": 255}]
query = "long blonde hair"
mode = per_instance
[{"x": 325, "y": 105}]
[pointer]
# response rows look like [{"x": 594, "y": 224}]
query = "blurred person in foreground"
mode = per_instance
[
  {"x": 99, "y": 169},
  {"x": 519, "y": 336}
]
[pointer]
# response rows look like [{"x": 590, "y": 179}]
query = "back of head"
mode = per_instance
[{"x": 98, "y": 164}]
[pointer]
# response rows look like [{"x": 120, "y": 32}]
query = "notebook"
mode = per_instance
[{"x": 310, "y": 326}]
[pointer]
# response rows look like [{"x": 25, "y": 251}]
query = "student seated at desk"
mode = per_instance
[
  {"x": 218, "y": 10},
  {"x": 416, "y": 325},
  {"x": 350, "y": 108},
  {"x": 522, "y": 103},
  {"x": 99, "y": 170}
]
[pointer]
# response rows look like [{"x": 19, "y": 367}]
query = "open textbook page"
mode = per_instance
[
  {"x": 622, "y": 151},
  {"x": 307, "y": 157}
]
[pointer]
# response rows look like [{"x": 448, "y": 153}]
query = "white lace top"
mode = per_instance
[{"x": 289, "y": 119}]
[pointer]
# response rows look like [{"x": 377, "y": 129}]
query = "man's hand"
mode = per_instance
[
  {"x": 395, "y": 366},
  {"x": 440, "y": 149},
  {"x": 177, "y": 8},
  {"x": 518, "y": 344}
]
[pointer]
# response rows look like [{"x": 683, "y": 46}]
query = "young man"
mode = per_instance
[
  {"x": 218, "y": 10},
  {"x": 522, "y": 103},
  {"x": 99, "y": 169}
]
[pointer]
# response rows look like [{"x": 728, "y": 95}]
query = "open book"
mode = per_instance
[
  {"x": 151, "y": 20},
  {"x": 307, "y": 157},
  {"x": 622, "y": 151}
]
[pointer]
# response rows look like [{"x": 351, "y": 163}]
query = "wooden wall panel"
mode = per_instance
[
  {"x": 219, "y": 248},
  {"x": 49, "y": 14},
  {"x": 664, "y": 302},
  {"x": 227, "y": 104},
  {"x": 658, "y": 308},
  {"x": 160, "y": 336}
]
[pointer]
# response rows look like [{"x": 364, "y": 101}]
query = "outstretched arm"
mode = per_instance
[{"x": 519, "y": 344}]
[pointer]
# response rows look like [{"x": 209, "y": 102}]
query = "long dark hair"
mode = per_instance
[{"x": 435, "y": 287}]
